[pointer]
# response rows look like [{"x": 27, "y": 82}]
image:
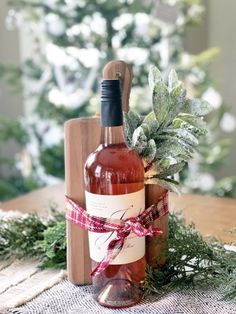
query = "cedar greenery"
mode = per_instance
[
  {"x": 191, "y": 260},
  {"x": 32, "y": 236},
  {"x": 168, "y": 136}
]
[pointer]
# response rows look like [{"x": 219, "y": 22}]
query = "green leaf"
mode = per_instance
[
  {"x": 53, "y": 245},
  {"x": 146, "y": 129},
  {"x": 168, "y": 139},
  {"x": 172, "y": 79},
  {"x": 128, "y": 130},
  {"x": 139, "y": 140},
  {"x": 154, "y": 76},
  {"x": 160, "y": 99},
  {"x": 134, "y": 118},
  {"x": 164, "y": 164},
  {"x": 167, "y": 166},
  {"x": 150, "y": 152},
  {"x": 178, "y": 91},
  {"x": 173, "y": 149},
  {"x": 170, "y": 185},
  {"x": 197, "y": 122},
  {"x": 196, "y": 127},
  {"x": 169, "y": 170},
  {"x": 152, "y": 122},
  {"x": 177, "y": 100},
  {"x": 131, "y": 121},
  {"x": 197, "y": 107},
  {"x": 183, "y": 134}
]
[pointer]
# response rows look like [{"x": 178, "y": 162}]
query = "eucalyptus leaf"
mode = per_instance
[
  {"x": 139, "y": 140},
  {"x": 197, "y": 122},
  {"x": 172, "y": 79},
  {"x": 146, "y": 129},
  {"x": 161, "y": 102},
  {"x": 154, "y": 76},
  {"x": 150, "y": 152},
  {"x": 164, "y": 164},
  {"x": 178, "y": 91},
  {"x": 168, "y": 139},
  {"x": 200, "y": 107},
  {"x": 134, "y": 118},
  {"x": 184, "y": 135},
  {"x": 177, "y": 101},
  {"x": 173, "y": 149},
  {"x": 197, "y": 107},
  {"x": 131, "y": 121},
  {"x": 171, "y": 170},
  {"x": 128, "y": 129},
  {"x": 196, "y": 129},
  {"x": 152, "y": 122}
]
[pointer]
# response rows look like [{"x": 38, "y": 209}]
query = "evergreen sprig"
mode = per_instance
[
  {"x": 32, "y": 236},
  {"x": 192, "y": 261},
  {"x": 168, "y": 136},
  {"x": 53, "y": 245},
  {"x": 18, "y": 236}
]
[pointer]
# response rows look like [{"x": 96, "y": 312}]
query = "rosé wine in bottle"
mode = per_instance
[{"x": 114, "y": 184}]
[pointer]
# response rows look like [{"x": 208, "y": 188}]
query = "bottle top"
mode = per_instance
[{"x": 111, "y": 104}]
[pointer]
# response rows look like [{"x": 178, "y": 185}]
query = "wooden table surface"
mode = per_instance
[{"x": 211, "y": 215}]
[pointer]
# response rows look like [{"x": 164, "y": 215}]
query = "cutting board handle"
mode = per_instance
[{"x": 118, "y": 69}]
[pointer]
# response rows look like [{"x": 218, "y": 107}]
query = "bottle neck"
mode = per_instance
[
  {"x": 111, "y": 113},
  {"x": 112, "y": 135}
]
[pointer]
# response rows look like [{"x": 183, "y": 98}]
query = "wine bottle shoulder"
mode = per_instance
[
  {"x": 113, "y": 164},
  {"x": 114, "y": 155}
]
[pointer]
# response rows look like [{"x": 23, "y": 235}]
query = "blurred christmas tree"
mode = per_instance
[{"x": 71, "y": 40}]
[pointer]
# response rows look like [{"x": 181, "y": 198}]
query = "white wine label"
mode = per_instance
[{"x": 116, "y": 207}]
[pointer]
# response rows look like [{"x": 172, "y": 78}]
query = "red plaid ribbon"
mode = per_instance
[{"x": 140, "y": 226}]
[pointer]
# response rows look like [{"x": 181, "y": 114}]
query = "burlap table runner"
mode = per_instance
[{"x": 69, "y": 299}]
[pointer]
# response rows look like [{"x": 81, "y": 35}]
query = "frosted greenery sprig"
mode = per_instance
[{"x": 168, "y": 136}]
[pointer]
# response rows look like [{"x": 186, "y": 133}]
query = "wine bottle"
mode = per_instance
[{"x": 114, "y": 184}]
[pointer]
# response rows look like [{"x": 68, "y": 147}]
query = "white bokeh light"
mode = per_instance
[
  {"x": 228, "y": 122},
  {"x": 55, "y": 25},
  {"x": 213, "y": 97}
]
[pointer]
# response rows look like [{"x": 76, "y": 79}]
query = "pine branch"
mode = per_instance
[
  {"x": 31, "y": 235},
  {"x": 18, "y": 236},
  {"x": 192, "y": 261}
]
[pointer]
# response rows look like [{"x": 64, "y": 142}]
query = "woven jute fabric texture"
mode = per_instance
[{"x": 69, "y": 299}]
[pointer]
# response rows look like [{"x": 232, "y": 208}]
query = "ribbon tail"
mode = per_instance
[{"x": 113, "y": 249}]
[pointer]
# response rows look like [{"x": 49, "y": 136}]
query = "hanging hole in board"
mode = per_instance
[{"x": 118, "y": 75}]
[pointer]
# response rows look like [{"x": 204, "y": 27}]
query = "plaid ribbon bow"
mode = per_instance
[{"x": 140, "y": 226}]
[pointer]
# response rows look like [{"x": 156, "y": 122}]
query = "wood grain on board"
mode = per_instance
[{"x": 81, "y": 138}]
